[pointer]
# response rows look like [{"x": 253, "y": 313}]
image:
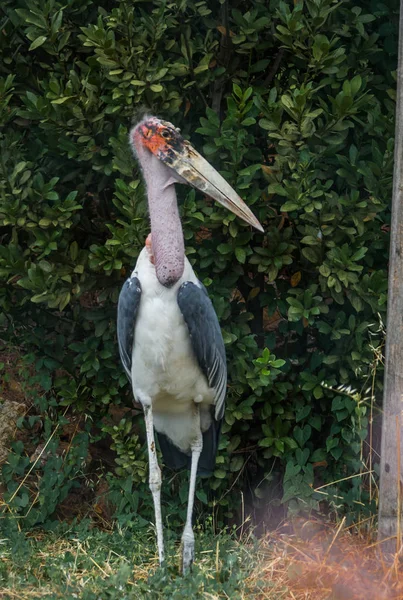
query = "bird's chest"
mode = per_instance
[
  {"x": 164, "y": 368},
  {"x": 161, "y": 335}
]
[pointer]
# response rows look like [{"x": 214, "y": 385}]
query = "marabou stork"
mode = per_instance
[{"x": 169, "y": 338}]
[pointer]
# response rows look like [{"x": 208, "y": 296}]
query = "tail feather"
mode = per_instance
[{"x": 176, "y": 459}]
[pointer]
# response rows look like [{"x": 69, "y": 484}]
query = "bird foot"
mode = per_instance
[{"x": 187, "y": 554}]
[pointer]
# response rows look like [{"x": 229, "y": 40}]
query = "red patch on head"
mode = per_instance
[{"x": 152, "y": 137}]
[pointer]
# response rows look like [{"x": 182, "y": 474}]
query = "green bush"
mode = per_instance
[{"x": 294, "y": 104}]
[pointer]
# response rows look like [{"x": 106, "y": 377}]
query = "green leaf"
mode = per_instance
[
  {"x": 57, "y": 21},
  {"x": 266, "y": 442},
  {"x": 240, "y": 254},
  {"x": 45, "y": 266},
  {"x": 277, "y": 188},
  {"x": 279, "y": 444},
  {"x": 202, "y": 496},
  {"x": 64, "y": 300},
  {"x": 359, "y": 254},
  {"x": 290, "y": 443},
  {"x": 259, "y": 66},
  {"x": 237, "y": 91},
  {"x": 38, "y": 42},
  {"x": 289, "y": 206},
  {"x": 52, "y": 196},
  {"x": 318, "y": 392},
  {"x": 224, "y": 248},
  {"x": 248, "y": 121},
  {"x": 19, "y": 167},
  {"x": 311, "y": 254},
  {"x": 43, "y": 297},
  {"x": 62, "y": 100},
  {"x": 73, "y": 250},
  {"x": 355, "y": 83},
  {"x": 30, "y": 17},
  {"x": 302, "y": 413},
  {"x": 277, "y": 364}
]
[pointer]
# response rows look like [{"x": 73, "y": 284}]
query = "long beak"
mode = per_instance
[{"x": 197, "y": 172}]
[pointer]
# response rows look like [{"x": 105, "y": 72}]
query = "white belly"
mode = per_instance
[{"x": 165, "y": 372}]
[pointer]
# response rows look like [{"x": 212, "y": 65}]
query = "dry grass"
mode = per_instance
[{"x": 326, "y": 563}]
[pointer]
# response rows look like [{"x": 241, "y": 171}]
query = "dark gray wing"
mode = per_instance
[
  {"x": 176, "y": 459},
  {"x": 206, "y": 339},
  {"x": 128, "y": 306}
]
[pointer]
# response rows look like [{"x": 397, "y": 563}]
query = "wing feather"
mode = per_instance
[
  {"x": 205, "y": 334},
  {"x": 128, "y": 305}
]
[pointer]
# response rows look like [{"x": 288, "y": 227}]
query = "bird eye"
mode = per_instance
[{"x": 166, "y": 134}]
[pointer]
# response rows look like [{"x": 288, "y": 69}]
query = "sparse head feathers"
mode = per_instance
[{"x": 157, "y": 136}]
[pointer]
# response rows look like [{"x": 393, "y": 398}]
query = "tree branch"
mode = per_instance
[
  {"x": 274, "y": 67},
  {"x": 224, "y": 57},
  {"x": 192, "y": 73}
]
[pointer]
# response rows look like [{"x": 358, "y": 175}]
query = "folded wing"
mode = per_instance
[
  {"x": 206, "y": 339},
  {"x": 128, "y": 306}
]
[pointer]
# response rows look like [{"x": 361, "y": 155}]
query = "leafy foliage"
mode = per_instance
[{"x": 294, "y": 104}]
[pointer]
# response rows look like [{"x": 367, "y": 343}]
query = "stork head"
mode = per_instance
[{"x": 166, "y": 143}]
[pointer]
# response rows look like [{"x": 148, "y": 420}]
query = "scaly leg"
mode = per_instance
[
  {"x": 155, "y": 479},
  {"x": 188, "y": 539}
]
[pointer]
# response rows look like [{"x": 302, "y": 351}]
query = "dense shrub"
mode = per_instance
[{"x": 293, "y": 102}]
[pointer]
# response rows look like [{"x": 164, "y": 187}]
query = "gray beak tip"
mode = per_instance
[{"x": 194, "y": 170}]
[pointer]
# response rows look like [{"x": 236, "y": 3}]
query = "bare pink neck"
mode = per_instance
[{"x": 166, "y": 228}]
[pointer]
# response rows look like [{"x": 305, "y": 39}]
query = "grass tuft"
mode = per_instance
[
  {"x": 88, "y": 563},
  {"x": 315, "y": 562}
]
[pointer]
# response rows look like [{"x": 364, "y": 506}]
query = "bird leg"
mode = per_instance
[
  {"x": 188, "y": 539},
  {"x": 155, "y": 479}
]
